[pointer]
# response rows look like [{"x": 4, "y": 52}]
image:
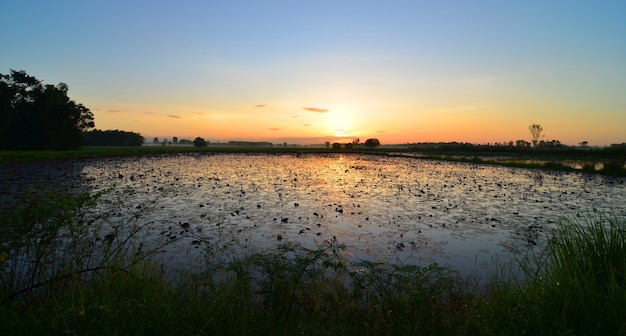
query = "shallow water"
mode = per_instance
[{"x": 382, "y": 208}]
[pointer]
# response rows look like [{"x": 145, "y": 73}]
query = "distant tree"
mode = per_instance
[
  {"x": 372, "y": 143},
  {"x": 535, "y": 132},
  {"x": 522, "y": 143},
  {"x": 155, "y": 141},
  {"x": 37, "y": 116},
  {"x": 336, "y": 145},
  {"x": 349, "y": 145},
  {"x": 199, "y": 142},
  {"x": 550, "y": 143},
  {"x": 584, "y": 144},
  {"x": 175, "y": 140},
  {"x": 356, "y": 141},
  {"x": 327, "y": 144},
  {"x": 113, "y": 138}
]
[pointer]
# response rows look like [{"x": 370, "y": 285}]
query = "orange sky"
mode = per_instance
[
  {"x": 307, "y": 72},
  {"x": 496, "y": 118}
]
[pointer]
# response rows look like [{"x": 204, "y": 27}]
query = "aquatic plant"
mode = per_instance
[{"x": 68, "y": 265}]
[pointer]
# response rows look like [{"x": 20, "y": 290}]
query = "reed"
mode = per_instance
[{"x": 584, "y": 282}]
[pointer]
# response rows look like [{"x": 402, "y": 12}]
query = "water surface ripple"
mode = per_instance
[{"x": 383, "y": 208}]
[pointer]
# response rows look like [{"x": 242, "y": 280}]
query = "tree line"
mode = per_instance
[
  {"x": 38, "y": 116},
  {"x": 98, "y": 137}
]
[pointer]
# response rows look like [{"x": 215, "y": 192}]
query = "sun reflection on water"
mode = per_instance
[{"x": 381, "y": 208}]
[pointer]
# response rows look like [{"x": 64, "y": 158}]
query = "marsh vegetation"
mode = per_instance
[
  {"x": 74, "y": 284},
  {"x": 313, "y": 244}
]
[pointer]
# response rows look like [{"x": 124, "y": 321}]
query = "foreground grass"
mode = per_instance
[{"x": 579, "y": 288}]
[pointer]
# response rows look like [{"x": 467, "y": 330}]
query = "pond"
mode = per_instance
[{"x": 388, "y": 209}]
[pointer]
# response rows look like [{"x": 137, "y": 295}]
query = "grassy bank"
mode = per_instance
[{"x": 61, "y": 274}]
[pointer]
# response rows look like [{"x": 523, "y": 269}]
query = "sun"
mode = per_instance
[
  {"x": 340, "y": 134},
  {"x": 340, "y": 124}
]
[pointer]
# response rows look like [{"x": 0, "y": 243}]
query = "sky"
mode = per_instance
[{"x": 307, "y": 72}]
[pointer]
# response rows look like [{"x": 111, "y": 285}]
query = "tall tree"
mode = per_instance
[
  {"x": 535, "y": 132},
  {"x": 34, "y": 116}
]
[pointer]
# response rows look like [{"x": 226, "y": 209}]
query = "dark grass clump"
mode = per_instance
[{"x": 584, "y": 283}]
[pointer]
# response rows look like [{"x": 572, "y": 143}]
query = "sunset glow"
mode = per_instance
[{"x": 307, "y": 73}]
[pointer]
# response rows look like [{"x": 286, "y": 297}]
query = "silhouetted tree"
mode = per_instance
[
  {"x": 175, "y": 140},
  {"x": 371, "y": 143},
  {"x": 199, "y": 142},
  {"x": 535, "y": 132},
  {"x": 36, "y": 116},
  {"x": 113, "y": 138},
  {"x": 155, "y": 141},
  {"x": 550, "y": 143}
]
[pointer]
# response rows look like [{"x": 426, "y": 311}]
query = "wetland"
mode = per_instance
[
  {"x": 286, "y": 242},
  {"x": 380, "y": 208}
]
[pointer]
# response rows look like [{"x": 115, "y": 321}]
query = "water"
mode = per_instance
[{"x": 382, "y": 208}]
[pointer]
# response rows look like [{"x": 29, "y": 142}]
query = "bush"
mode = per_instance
[{"x": 199, "y": 142}]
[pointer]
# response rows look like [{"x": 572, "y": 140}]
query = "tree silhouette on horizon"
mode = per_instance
[{"x": 37, "y": 116}]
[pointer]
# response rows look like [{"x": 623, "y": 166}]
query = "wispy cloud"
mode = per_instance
[
  {"x": 118, "y": 111},
  {"x": 295, "y": 116},
  {"x": 316, "y": 109},
  {"x": 274, "y": 129},
  {"x": 260, "y": 105},
  {"x": 174, "y": 116},
  {"x": 305, "y": 125}
]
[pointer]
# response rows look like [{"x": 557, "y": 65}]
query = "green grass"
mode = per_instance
[
  {"x": 72, "y": 285},
  {"x": 585, "y": 281}
]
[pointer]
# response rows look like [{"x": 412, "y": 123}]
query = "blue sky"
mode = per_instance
[{"x": 401, "y": 71}]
